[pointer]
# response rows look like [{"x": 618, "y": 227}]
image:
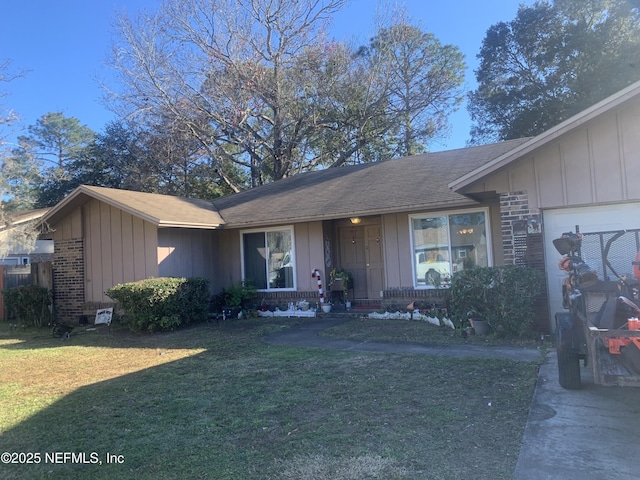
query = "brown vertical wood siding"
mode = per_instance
[
  {"x": 119, "y": 248},
  {"x": 309, "y": 245},
  {"x": 595, "y": 163},
  {"x": 188, "y": 253}
]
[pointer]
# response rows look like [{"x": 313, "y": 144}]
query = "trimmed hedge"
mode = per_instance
[
  {"x": 166, "y": 303},
  {"x": 503, "y": 296},
  {"x": 29, "y": 304}
]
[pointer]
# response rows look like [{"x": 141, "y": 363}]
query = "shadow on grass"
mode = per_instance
[
  {"x": 199, "y": 335},
  {"x": 154, "y": 421},
  {"x": 242, "y": 409}
]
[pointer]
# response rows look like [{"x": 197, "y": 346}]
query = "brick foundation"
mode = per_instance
[
  {"x": 401, "y": 297},
  {"x": 392, "y": 297},
  {"x": 68, "y": 277}
]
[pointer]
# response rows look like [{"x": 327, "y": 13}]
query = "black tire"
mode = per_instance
[
  {"x": 61, "y": 331},
  {"x": 568, "y": 357},
  {"x": 55, "y": 331}
]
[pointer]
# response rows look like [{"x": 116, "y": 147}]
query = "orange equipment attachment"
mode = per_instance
[{"x": 614, "y": 344}]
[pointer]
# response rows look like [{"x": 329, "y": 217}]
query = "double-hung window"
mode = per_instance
[
  {"x": 268, "y": 260},
  {"x": 444, "y": 243}
]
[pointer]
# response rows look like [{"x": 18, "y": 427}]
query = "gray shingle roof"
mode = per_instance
[
  {"x": 161, "y": 210},
  {"x": 397, "y": 185}
]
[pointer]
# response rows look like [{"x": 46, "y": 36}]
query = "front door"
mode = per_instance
[
  {"x": 374, "y": 261},
  {"x": 361, "y": 255}
]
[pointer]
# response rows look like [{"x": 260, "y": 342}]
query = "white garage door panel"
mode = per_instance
[{"x": 590, "y": 219}]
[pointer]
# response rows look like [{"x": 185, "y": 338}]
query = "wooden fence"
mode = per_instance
[
  {"x": 13, "y": 276},
  {"x": 16, "y": 275},
  {"x": 42, "y": 274}
]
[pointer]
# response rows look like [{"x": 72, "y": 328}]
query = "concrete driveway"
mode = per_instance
[{"x": 587, "y": 434}]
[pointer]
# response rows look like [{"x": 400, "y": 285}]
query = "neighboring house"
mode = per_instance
[
  {"x": 18, "y": 252},
  {"x": 401, "y": 227}
]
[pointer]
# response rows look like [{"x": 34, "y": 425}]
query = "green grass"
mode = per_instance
[
  {"x": 401, "y": 331},
  {"x": 214, "y": 402}
]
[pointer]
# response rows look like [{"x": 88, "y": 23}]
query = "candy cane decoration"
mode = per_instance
[{"x": 315, "y": 273}]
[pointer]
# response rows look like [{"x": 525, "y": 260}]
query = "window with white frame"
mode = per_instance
[
  {"x": 267, "y": 258},
  {"x": 444, "y": 243}
]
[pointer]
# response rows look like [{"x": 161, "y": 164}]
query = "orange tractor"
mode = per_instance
[{"x": 601, "y": 296}]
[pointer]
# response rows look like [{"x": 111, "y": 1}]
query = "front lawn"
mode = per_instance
[
  {"x": 365, "y": 329},
  {"x": 214, "y": 402}
]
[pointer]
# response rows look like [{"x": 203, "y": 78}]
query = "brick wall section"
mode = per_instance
[
  {"x": 400, "y": 298},
  {"x": 68, "y": 277},
  {"x": 523, "y": 244},
  {"x": 517, "y": 221},
  {"x": 40, "y": 257},
  {"x": 397, "y": 298},
  {"x": 283, "y": 298}
]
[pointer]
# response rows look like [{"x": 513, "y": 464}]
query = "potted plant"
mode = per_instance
[
  {"x": 326, "y": 307},
  {"x": 479, "y": 326},
  {"x": 340, "y": 280},
  {"x": 237, "y": 296}
]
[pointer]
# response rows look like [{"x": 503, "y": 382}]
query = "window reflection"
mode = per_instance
[
  {"x": 268, "y": 259},
  {"x": 445, "y": 244}
]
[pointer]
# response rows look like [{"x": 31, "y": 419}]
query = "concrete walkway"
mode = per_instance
[
  {"x": 587, "y": 434},
  {"x": 307, "y": 335}
]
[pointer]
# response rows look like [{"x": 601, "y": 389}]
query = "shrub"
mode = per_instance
[
  {"x": 236, "y": 296},
  {"x": 29, "y": 304},
  {"x": 503, "y": 296},
  {"x": 162, "y": 303}
]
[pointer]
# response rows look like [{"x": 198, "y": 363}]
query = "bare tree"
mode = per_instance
[
  {"x": 260, "y": 86},
  {"x": 7, "y": 115},
  {"x": 12, "y": 234},
  {"x": 229, "y": 70},
  {"x": 16, "y": 176},
  {"x": 7, "y": 118}
]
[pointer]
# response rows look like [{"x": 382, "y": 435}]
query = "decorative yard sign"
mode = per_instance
[{"x": 103, "y": 316}]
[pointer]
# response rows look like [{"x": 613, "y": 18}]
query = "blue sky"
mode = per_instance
[{"x": 65, "y": 44}]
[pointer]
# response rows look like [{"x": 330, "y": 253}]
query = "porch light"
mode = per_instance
[{"x": 355, "y": 220}]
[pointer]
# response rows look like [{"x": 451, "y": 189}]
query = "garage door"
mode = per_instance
[{"x": 590, "y": 219}]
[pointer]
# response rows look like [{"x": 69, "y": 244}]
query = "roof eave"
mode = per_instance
[
  {"x": 26, "y": 219},
  {"x": 61, "y": 207},
  {"x": 53, "y": 213},
  {"x": 464, "y": 202},
  {"x": 201, "y": 226}
]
